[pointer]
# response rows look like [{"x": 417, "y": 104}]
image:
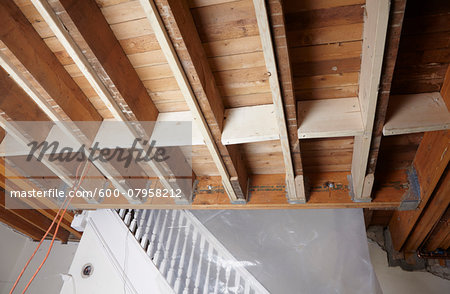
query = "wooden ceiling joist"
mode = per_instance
[
  {"x": 374, "y": 36},
  {"x": 295, "y": 186},
  {"x": 19, "y": 224},
  {"x": 433, "y": 212},
  {"x": 14, "y": 94},
  {"x": 429, "y": 167},
  {"x": 173, "y": 24},
  {"x": 278, "y": 26},
  {"x": 77, "y": 55},
  {"x": 38, "y": 204},
  {"x": 110, "y": 69},
  {"x": 268, "y": 192},
  {"x": 396, "y": 17},
  {"x": 33, "y": 217},
  {"x": 26, "y": 44}
]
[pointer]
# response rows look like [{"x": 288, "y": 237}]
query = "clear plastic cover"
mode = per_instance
[
  {"x": 239, "y": 251},
  {"x": 297, "y": 251}
]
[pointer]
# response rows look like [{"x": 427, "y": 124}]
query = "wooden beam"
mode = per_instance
[
  {"x": 268, "y": 192},
  {"x": 416, "y": 113},
  {"x": 28, "y": 111},
  {"x": 80, "y": 25},
  {"x": 172, "y": 23},
  {"x": 32, "y": 203},
  {"x": 33, "y": 217},
  {"x": 278, "y": 28},
  {"x": 375, "y": 27},
  {"x": 329, "y": 118},
  {"x": 18, "y": 224},
  {"x": 26, "y": 44},
  {"x": 431, "y": 159},
  {"x": 78, "y": 57},
  {"x": 396, "y": 16},
  {"x": 429, "y": 163},
  {"x": 440, "y": 236},
  {"x": 431, "y": 215},
  {"x": 294, "y": 185}
]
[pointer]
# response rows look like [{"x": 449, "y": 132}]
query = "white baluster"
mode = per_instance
[
  {"x": 122, "y": 213},
  {"x": 199, "y": 268},
  {"x": 182, "y": 258},
  {"x": 140, "y": 228},
  {"x": 219, "y": 266},
  {"x": 127, "y": 219},
  {"x": 158, "y": 253},
  {"x": 151, "y": 245},
  {"x": 147, "y": 230},
  {"x": 247, "y": 287},
  {"x": 165, "y": 261},
  {"x": 191, "y": 259},
  {"x": 133, "y": 223},
  {"x": 208, "y": 268},
  {"x": 175, "y": 250},
  {"x": 237, "y": 281},
  {"x": 227, "y": 277}
]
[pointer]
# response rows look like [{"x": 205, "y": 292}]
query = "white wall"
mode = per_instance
[
  {"x": 394, "y": 280},
  {"x": 15, "y": 249}
]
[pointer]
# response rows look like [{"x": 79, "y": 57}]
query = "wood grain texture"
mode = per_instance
[
  {"x": 268, "y": 192},
  {"x": 426, "y": 40},
  {"x": 389, "y": 62},
  {"x": 329, "y": 118},
  {"x": 416, "y": 113},
  {"x": 277, "y": 17},
  {"x": 110, "y": 55},
  {"x": 440, "y": 236},
  {"x": 188, "y": 61},
  {"x": 431, "y": 214},
  {"x": 294, "y": 183},
  {"x": 375, "y": 29},
  {"x": 34, "y": 219},
  {"x": 25, "y": 43},
  {"x": 429, "y": 167}
]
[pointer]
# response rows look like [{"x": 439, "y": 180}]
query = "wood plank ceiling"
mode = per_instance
[{"x": 331, "y": 68}]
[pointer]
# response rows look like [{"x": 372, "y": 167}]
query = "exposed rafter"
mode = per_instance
[
  {"x": 33, "y": 218},
  {"x": 294, "y": 184},
  {"x": 277, "y": 22},
  {"x": 26, "y": 44},
  {"x": 108, "y": 68},
  {"x": 268, "y": 192},
  {"x": 33, "y": 203},
  {"x": 374, "y": 36},
  {"x": 433, "y": 212},
  {"x": 397, "y": 13},
  {"x": 428, "y": 167},
  {"x": 190, "y": 67}
]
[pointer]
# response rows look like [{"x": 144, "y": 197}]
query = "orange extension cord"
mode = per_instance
[{"x": 65, "y": 205}]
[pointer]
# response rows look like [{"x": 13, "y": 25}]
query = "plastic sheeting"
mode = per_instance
[{"x": 297, "y": 251}]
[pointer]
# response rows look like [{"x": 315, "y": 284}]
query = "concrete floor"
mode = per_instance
[{"x": 394, "y": 280}]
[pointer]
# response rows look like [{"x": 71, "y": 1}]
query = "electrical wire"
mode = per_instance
[
  {"x": 56, "y": 231},
  {"x": 48, "y": 231}
]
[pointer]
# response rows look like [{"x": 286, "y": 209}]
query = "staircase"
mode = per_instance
[{"x": 185, "y": 252}]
